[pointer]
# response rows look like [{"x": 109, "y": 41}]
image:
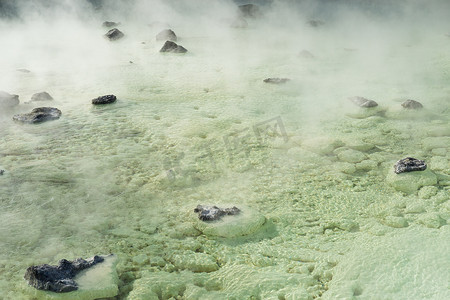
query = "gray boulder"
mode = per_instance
[
  {"x": 104, "y": 99},
  {"x": 8, "y": 100},
  {"x": 212, "y": 213},
  {"x": 39, "y": 115},
  {"x": 43, "y": 96},
  {"x": 412, "y": 104},
  {"x": 114, "y": 34},
  {"x": 166, "y": 35},
  {"x": 409, "y": 164},
  {"x": 173, "y": 48}
]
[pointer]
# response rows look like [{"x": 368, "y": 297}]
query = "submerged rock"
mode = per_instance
[
  {"x": 39, "y": 115},
  {"x": 409, "y": 164},
  {"x": 166, "y": 35},
  {"x": 363, "y": 102},
  {"x": 8, "y": 100},
  {"x": 172, "y": 47},
  {"x": 276, "y": 80},
  {"x": 109, "y": 24},
  {"x": 104, "y": 99},
  {"x": 250, "y": 10},
  {"x": 212, "y": 213},
  {"x": 114, "y": 34},
  {"x": 59, "y": 278},
  {"x": 412, "y": 104},
  {"x": 43, "y": 96}
]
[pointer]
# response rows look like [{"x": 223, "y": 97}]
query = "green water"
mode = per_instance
[{"x": 203, "y": 128}]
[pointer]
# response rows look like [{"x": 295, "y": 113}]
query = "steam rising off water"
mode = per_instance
[{"x": 125, "y": 178}]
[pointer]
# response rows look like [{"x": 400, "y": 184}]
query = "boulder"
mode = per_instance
[
  {"x": 276, "y": 80},
  {"x": 39, "y": 115},
  {"x": 114, "y": 34},
  {"x": 104, "y": 99},
  {"x": 409, "y": 164},
  {"x": 250, "y": 11},
  {"x": 166, "y": 35},
  {"x": 363, "y": 102},
  {"x": 172, "y": 47},
  {"x": 43, "y": 96},
  {"x": 8, "y": 100},
  {"x": 212, "y": 213},
  {"x": 109, "y": 24},
  {"x": 412, "y": 104},
  {"x": 59, "y": 278}
]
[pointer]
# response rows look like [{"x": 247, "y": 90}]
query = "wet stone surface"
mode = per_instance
[
  {"x": 212, "y": 213},
  {"x": 59, "y": 278},
  {"x": 409, "y": 164},
  {"x": 39, "y": 115},
  {"x": 363, "y": 102},
  {"x": 104, "y": 99},
  {"x": 412, "y": 104},
  {"x": 276, "y": 80},
  {"x": 114, "y": 34},
  {"x": 173, "y": 48}
]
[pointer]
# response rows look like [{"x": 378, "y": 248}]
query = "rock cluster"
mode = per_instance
[
  {"x": 104, "y": 99},
  {"x": 212, "y": 213},
  {"x": 39, "y": 115},
  {"x": 409, "y": 164},
  {"x": 59, "y": 278},
  {"x": 173, "y": 48}
]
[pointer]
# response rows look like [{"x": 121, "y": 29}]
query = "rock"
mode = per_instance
[
  {"x": 239, "y": 22},
  {"x": 412, "y": 104},
  {"x": 8, "y": 100},
  {"x": 244, "y": 223},
  {"x": 59, "y": 278},
  {"x": 212, "y": 213},
  {"x": 409, "y": 164},
  {"x": 104, "y": 99},
  {"x": 109, "y": 24},
  {"x": 43, "y": 96},
  {"x": 410, "y": 182},
  {"x": 114, "y": 34},
  {"x": 315, "y": 23},
  {"x": 363, "y": 102},
  {"x": 172, "y": 47},
  {"x": 2, "y": 172},
  {"x": 306, "y": 54},
  {"x": 39, "y": 115},
  {"x": 276, "y": 80},
  {"x": 166, "y": 35},
  {"x": 250, "y": 11}
]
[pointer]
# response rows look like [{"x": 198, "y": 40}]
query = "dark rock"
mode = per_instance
[
  {"x": 212, "y": 213},
  {"x": 109, "y": 24},
  {"x": 7, "y": 100},
  {"x": 104, "y": 99},
  {"x": 276, "y": 80},
  {"x": 412, "y": 104},
  {"x": 250, "y": 11},
  {"x": 2, "y": 172},
  {"x": 166, "y": 35},
  {"x": 172, "y": 47},
  {"x": 59, "y": 278},
  {"x": 363, "y": 102},
  {"x": 23, "y": 70},
  {"x": 409, "y": 164},
  {"x": 43, "y": 96},
  {"x": 114, "y": 34},
  {"x": 239, "y": 22},
  {"x": 315, "y": 23},
  {"x": 305, "y": 54},
  {"x": 39, "y": 115}
]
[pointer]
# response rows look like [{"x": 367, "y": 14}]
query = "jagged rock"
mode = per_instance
[
  {"x": 104, "y": 99},
  {"x": 315, "y": 23},
  {"x": 39, "y": 115},
  {"x": 166, "y": 35},
  {"x": 409, "y": 164},
  {"x": 109, "y": 24},
  {"x": 43, "y": 96},
  {"x": 305, "y": 54},
  {"x": 8, "y": 100},
  {"x": 172, "y": 47},
  {"x": 363, "y": 102},
  {"x": 114, "y": 34},
  {"x": 212, "y": 213},
  {"x": 250, "y": 10},
  {"x": 59, "y": 278},
  {"x": 239, "y": 22},
  {"x": 412, "y": 104},
  {"x": 276, "y": 80}
]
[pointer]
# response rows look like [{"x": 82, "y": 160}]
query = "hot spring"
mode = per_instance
[{"x": 321, "y": 212}]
